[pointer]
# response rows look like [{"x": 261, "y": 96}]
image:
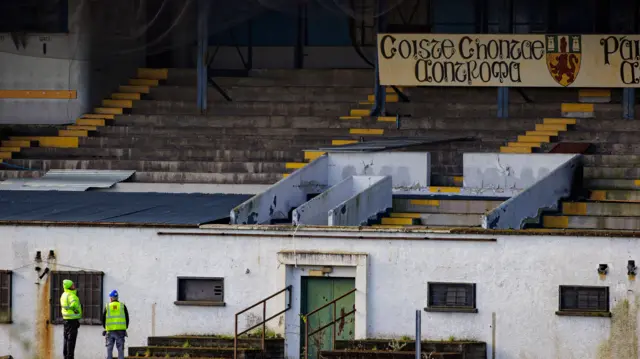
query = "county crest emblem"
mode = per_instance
[{"x": 563, "y": 57}]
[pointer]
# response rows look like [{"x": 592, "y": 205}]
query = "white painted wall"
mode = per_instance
[
  {"x": 98, "y": 53},
  {"x": 517, "y": 278}
]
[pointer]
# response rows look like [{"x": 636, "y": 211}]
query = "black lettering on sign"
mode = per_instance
[
  {"x": 45, "y": 38},
  {"x": 628, "y": 51}
]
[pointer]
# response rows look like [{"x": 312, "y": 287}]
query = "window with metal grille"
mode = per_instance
[
  {"x": 452, "y": 297},
  {"x": 200, "y": 291},
  {"x": 583, "y": 299},
  {"x": 5, "y": 296},
  {"x": 89, "y": 290}
]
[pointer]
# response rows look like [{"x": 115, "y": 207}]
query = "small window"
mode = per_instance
[
  {"x": 89, "y": 287},
  {"x": 584, "y": 301},
  {"x": 452, "y": 297},
  {"x": 5, "y": 296},
  {"x": 200, "y": 291}
]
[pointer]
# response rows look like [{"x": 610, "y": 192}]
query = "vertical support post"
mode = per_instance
[
  {"x": 203, "y": 42},
  {"x": 235, "y": 339},
  {"x": 418, "y": 334},
  {"x": 264, "y": 324},
  {"x": 306, "y": 338},
  {"x": 503, "y": 102},
  {"x": 380, "y": 93},
  {"x": 628, "y": 103}
]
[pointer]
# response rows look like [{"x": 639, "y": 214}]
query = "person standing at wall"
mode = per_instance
[
  {"x": 115, "y": 320},
  {"x": 71, "y": 314}
]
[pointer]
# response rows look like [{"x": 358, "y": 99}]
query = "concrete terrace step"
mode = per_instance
[
  {"x": 617, "y": 209},
  {"x": 613, "y": 160},
  {"x": 172, "y": 177},
  {"x": 182, "y": 154},
  {"x": 615, "y": 195},
  {"x": 591, "y": 222},
  {"x": 612, "y": 172},
  {"x": 608, "y": 137},
  {"x": 245, "y": 108},
  {"x": 192, "y": 351},
  {"x": 611, "y": 184},
  {"x": 614, "y": 148},
  {"x": 463, "y": 206},
  {"x": 443, "y": 219},
  {"x": 154, "y": 166}
]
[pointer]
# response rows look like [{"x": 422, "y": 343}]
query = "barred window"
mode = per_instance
[
  {"x": 583, "y": 299},
  {"x": 5, "y": 296},
  {"x": 451, "y": 297},
  {"x": 200, "y": 291},
  {"x": 89, "y": 287}
]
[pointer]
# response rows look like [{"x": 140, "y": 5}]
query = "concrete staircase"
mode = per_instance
[
  {"x": 150, "y": 124},
  {"x": 206, "y": 347},
  {"x": 438, "y": 212},
  {"x": 390, "y": 348}
]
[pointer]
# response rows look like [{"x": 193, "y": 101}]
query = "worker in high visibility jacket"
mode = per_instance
[
  {"x": 115, "y": 320},
  {"x": 71, "y": 314}
]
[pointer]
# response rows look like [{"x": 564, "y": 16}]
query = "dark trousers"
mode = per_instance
[{"x": 70, "y": 336}]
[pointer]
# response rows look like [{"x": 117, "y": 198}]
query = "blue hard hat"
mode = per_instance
[{"x": 113, "y": 294}]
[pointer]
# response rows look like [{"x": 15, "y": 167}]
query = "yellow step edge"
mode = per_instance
[
  {"x": 555, "y": 222},
  {"x": 577, "y": 107},
  {"x": 350, "y": 117},
  {"x": 99, "y": 115},
  {"x": 153, "y": 74},
  {"x": 559, "y": 121},
  {"x": 109, "y": 110},
  {"x": 295, "y": 165},
  {"x": 386, "y": 119},
  {"x": 574, "y": 208},
  {"x": 405, "y": 215},
  {"x": 359, "y": 112},
  {"x": 22, "y": 144},
  {"x": 144, "y": 82},
  {"x": 91, "y": 122},
  {"x": 594, "y": 93},
  {"x": 125, "y": 96},
  {"x": 506, "y": 149},
  {"x": 117, "y": 103},
  {"x": 542, "y": 133},
  {"x": 5, "y": 155},
  {"x": 342, "y": 142},
  {"x": 366, "y": 131},
  {"x": 82, "y": 127},
  {"x": 536, "y": 139},
  {"x": 134, "y": 89},
  {"x": 397, "y": 221},
  {"x": 9, "y": 149},
  {"x": 386, "y": 226},
  {"x": 425, "y": 202},
  {"x": 444, "y": 189},
  {"x": 285, "y": 175},
  {"x": 73, "y": 133},
  {"x": 551, "y": 127},
  {"x": 49, "y": 141},
  {"x": 459, "y": 180},
  {"x": 312, "y": 155},
  {"x": 388, "y": 98},
  {"x": 365, "y": 103},
  {"x": 524, "y": 144}
]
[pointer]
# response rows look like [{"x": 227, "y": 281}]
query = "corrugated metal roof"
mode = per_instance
[
  {"x": 110, "y": 207},
  {"x": 68, "y": 180}
]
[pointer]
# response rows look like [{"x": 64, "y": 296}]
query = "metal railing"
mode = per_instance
[
  {"x": 335, "y": 320},
  {"x": 264, "y": 319}
]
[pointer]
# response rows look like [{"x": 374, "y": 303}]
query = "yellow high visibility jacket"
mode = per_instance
[
  {"x": 70, "y": 305},
  {"x": 115, "y": 318}
]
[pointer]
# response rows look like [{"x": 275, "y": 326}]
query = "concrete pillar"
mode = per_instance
[
  {"x": 203, "y": 43},
  {"x": 628, "y": 103},
  {"x": 503, "y": 102}
]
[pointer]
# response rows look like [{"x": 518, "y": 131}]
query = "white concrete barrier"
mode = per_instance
[
  {"x": 349, "y": 203},
  {"x": 544, "y": 194}
]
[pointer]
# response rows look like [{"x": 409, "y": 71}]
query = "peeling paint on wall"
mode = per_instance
[
  {"x": 44, "y": 331},
  {"x": 623, "y": 338}
]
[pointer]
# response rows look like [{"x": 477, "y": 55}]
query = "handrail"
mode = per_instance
[
  {"x": 264, "y": 319},
  {"x": 335, "y": 320}
]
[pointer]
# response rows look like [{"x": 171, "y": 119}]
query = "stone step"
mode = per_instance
[
  {"x": 611, "y": 184},
  {"x": 211, "y": 342},
  {"x": 172, "y": 177},
  {"x": 615, "y": 195},
  {"x": 447, "y": 180},
  {"x": 151, "y": 166},
  {"x": 192, "y": 351},
  {"x": 608, "y": 137},
  {"x": 250, "y": 142},
  {"x": 617, "y": 209},
  {"x": 442, "y": 219},
  {"x": 181, "y": 154},
  {"x": 616, "y": 149},
  {"x": 245, "y": 108},
  {"x": 613, "y": 160},
  {"x": 304, "y": 77},
  {"x": 591, "y": 222},
  {"x": 462, "y": 206},
  {"x": 612, "y": 172}
]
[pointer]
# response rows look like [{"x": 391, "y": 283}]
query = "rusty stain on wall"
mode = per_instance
[
  {"x": 44, "y": 331},
  {"x": 623, "y": 338}
]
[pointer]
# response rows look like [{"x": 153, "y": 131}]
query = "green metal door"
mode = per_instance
[{"x": 316, "y": 292}]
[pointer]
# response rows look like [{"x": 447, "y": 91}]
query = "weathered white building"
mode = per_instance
[{"x": 514, "y": 282}]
